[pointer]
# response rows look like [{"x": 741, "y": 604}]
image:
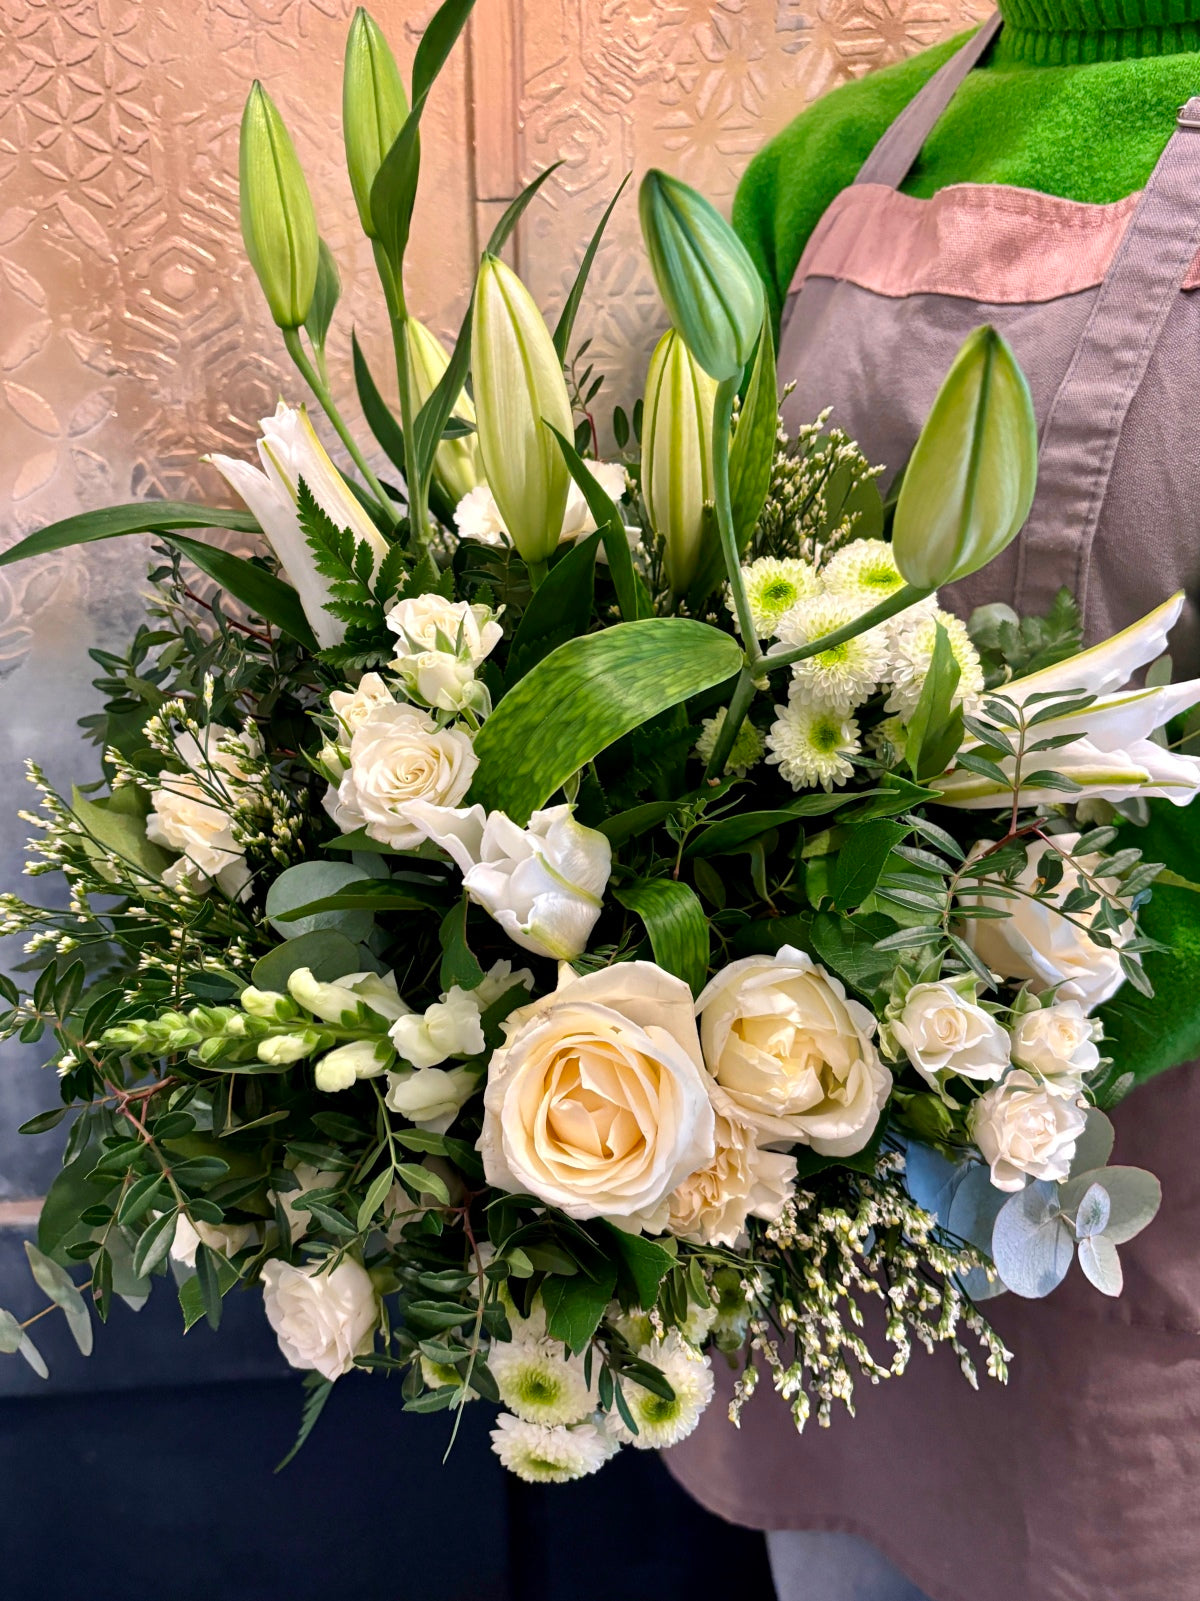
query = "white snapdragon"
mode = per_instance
[
  {"x": 450, "y": 1027},
  {"x": 227, "y": 1239},
  {"x": 946, "y": 1034},
  {"x": 1024, "y": 1130},
  {"x": 431, "y": 1097},
  {"x": 543, "y": 884}
]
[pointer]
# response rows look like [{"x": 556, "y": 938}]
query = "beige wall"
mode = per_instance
[{"x": 132, "y": 335}]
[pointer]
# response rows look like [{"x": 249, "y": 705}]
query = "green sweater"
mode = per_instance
[
  {"x": 1062, "y": 104},
  {"x": 1077, "y": 98}
]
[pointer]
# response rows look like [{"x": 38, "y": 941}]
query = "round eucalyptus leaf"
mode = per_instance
[
  {"x": 313, "y": 881},
  {"x": 1095, "y": 1145},
  {"x": 1101, "y": 1264},
  {"x": 975, "y": 1207},
  {"x": 1134, "y": 1197},
  {"x": 1032, "y": 1245},
  {"x": 327, "y": 951},
  {"x": 1093, "y": 1213},
  {"x": 10, "y": 1333}
]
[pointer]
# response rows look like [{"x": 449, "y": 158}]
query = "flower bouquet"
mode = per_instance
[{"x": 560, "y": 921}]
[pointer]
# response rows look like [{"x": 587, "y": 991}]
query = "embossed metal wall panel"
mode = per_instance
[{"x": 133, "y": 338}]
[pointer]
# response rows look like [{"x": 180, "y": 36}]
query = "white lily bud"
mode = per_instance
[
  {"x": 519, "y": 388},
  {"x": 677, "y": 470},
  {"x": 456, "y": 461},
  {"x": 543, "y": 884}
]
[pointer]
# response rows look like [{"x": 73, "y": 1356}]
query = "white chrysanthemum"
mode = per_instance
[
  {"x": 542, "y": 1455},
  {"x": 539, "y": 1383},
  {"x": 439, "y": 1374},
  {"x": 773, "y": 586},
  {"x": 811, "y": 745},
  {"x": 842, "y": 676},
  {"x": 747, "y": 747},
  {"x": 664, "y": 1423},
  {"x": 912, "y": 653},
  {"x": 864, "y": 571}
]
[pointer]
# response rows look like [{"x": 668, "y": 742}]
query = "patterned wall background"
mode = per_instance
[{"x": 132, "y": 336}]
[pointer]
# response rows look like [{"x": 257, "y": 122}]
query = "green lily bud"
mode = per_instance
[
  {"x": 279, "y": 225},
  {"x": 374, "y": 107},
  {"x": 705, "y": 276},
  {"x": 677, "y": 469},
  {"x": 972, "y": 474},
  {"x": 456, "y": 462},
  {"x": 519, "y": 388}
]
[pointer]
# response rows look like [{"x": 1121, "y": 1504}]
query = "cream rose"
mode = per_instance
[
  {"x": 399, "y": 755},
  {"x": 225, "y": 1238},
  {"x": 432, "y": 623},
  {"x": 1024, "y": 1131},
  {"x": 1059, "y": 1043},
  {"x": 321, "y": 1320},
  {"x": 597, "y": 1102},
  {"x": 795, "y": 1057},
  {"x": 353, "y": 707},
  {"x": 743, "y": 1180},
  {"x": 943, "y": 1032},
  {"x": 192, "y": 812},
  {"x": 1036, "y": 942}
]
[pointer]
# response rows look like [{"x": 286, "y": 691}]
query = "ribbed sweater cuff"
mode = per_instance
[{"x": 1075, "y": 32}]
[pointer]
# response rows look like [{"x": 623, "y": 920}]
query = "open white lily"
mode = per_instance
[
  {"x": 290, "y": 451},
  {"x": 1113, "y": 757}
]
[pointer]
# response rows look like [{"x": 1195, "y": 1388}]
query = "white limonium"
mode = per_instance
[
  {"x": 544, "y": 884},
  {"x": 747, "y": 749},
  {"x": 193, "y": 812},
  {"x": 842, "y": 676},
  {"x": 1025, "y": 1131},
  {"x": 539, "y": 1383},
  {"x": 914, "y": 638},
  {"x": 1058, "y": 1042},
  {"x": 774, "y": 584},
  {"x": 540, "y": 1454},
  {"x": 663, "y": 1423},
  {"x": 945, "y": 1034},
  {"x": 812, "y": 744},
  {"x": 398, "y": 759},
  {"x": 289, "y": 451}
]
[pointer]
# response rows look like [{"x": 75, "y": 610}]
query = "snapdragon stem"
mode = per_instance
[
  {"x": 320, "y": 388},
  {"x": 393, "y": 291}
]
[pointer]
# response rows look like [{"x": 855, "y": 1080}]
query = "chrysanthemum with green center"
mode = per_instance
[
  {"x": 843, "y": 675},
  {"x": 773, "y": 586},
  {"x": 539, "y": 1383},
  {"x": 545, "y": 1454},
  {"x": 664, "y": 1421},
  {"x": 812, "y": 745},
  {"x": 912, "y": 656}
]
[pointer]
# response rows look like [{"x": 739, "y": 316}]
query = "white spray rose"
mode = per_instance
[
  {"x": 944, "y": 1033},
  {"x": 1036, "y": 942},
  {"x": 432, "y": 623},
  {"x": 543, "y": 884},
  {"x": 443, "y": 681},
  {"x": 192, "y": 812},
  {"x": 226, "y": 1238},
  {"x": 743, "y": 1180},
  {"x": 399, "y": 757},
  {"x": 1024, "y": 1131},
  {"x": 321, "y": 1320},
  {"x": 353, "y": 707},
  {"x": 1059, "y": 1043},
  {"x": 450, "y": 1027},
  {"x": 431, "y": 1096},
  {"x": 794, "y": 1055},
  {"x": 597, "y": 1102}
]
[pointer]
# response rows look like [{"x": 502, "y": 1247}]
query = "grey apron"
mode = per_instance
[{"x": 1079, "y": 1482}]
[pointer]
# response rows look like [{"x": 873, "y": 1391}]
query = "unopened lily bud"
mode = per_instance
[
  {"x": 970, "y": 480},
  {"x": 279, "y": 225},
  {"x": 519, "y": 388},
  {"x": 360, "y": 1059},
  {"x": 706, "y": 278},
  {"x": 456, "y": 461},
  {"x": 374, "y": 108},
  {"x": 677, "y": 473}
]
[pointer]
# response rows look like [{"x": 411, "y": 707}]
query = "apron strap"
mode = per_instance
[
  {"x": 1084, "y": 423},
  {"x": 901, "y": 145}
]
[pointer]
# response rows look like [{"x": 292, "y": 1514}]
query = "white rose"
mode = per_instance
[
  {"x": 308, "y": 1177},
  {"x": 743, "y": 1180},
  {"x": 353, "y": 707},
  {"x": 1035, "y": 942},
  {"x": 192, "y": 813},
  {"x": 225, "y": 1238},
  {"x": 942, "y": 1032},
  {"x": 794, "y": 1056},
  {"x": 1059, "y": 1042},
  {"x": 450, "y": 1027},
  {"x": 442, "y": 680},
  {"x": 432, "y": 623},
  {"x": 432, "y": 1096},
  {"x": 543, "y": 884},
  {"x": 597, "y": 1102},
  {"x": 322, "y": 1320},
  {"x": 1023, "y": 1130},
  {"x": 399, "y": 756}
]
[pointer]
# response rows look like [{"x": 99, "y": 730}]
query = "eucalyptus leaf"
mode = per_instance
[
  {"x": 308, "y": 882},
  {"x": 1134, "y": 1196},
  {"x": 1101, "y": 1263},
  {"x": 57, "y": 1283},
  {"x": 326, "y": 951},
  {"x": 1093, "y": 1213},
  {"x": 1032, "y": 1245},
  {"x": 1094, "y": 1146}
]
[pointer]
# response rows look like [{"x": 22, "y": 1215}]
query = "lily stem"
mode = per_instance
[
  {"x": 900, "y": 601},
  {"x": 393, "y": 291},
  {"x": 316, "y": 382}
]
